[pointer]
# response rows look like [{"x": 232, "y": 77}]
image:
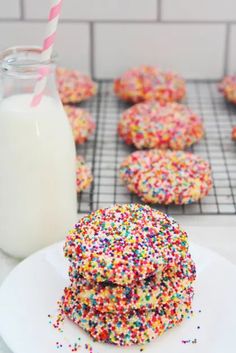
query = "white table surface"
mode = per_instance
[{"x": 215, "y": 232}]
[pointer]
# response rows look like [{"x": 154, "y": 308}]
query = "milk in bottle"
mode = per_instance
[{"x": 37, "y": 159}]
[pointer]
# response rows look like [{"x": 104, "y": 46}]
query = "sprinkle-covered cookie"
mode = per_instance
[
  {"x": 147, "y": 294},
  {"x": 149, "y": 83},
  {"x": 136, "y": 327},
  {"x": 81, "y": 122},
  {"x": 166, "y": 177},
  {"x": 73, "y": 86},
  {"x": 228, "y": 88},
  {"x": 83, "y": 174},
  {"x": 157, "y": 125},
  {"x": 234, "y": 133},
  {"x": 124, "y": 244}
]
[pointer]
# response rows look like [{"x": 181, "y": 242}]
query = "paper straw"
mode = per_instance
[{"x": 53, "y": 18}]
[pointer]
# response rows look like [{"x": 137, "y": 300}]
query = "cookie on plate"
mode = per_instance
[
  {"x": 147, "y": 294},
  {"x": 157, "y": 125},
  {"x": 83, "y": 174},
  {"x": 124, "y": 244},
  {"x": 136, "y": 327},
  {"x": 81, "y": 122},
  {"x": 149, "y": 83},
  {"x": 130, "y": 272},
  {"x": 228, "y": 88},
  {"x": 73, "y": 86},
  {"x": 166, "y": 177}
]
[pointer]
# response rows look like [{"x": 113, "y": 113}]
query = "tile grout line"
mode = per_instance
[
  {"x": 22, "y": 10},
  {"x": 227, "y": 48},
  {"x": 126, "y": 21},
  {"x": 159, "y": 10}
]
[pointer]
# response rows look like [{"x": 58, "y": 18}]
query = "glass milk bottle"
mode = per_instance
[{"x": 37, "y": 157}]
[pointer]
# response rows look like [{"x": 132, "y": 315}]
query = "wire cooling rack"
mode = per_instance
[{"x": 105, "y": 151}]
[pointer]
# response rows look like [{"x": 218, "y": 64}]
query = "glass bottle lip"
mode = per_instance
[{"x": 24, "y": 61}]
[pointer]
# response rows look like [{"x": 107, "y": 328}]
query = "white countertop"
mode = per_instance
[{"x": 215, "y": 232}]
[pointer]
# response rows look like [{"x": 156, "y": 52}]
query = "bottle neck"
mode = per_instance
[{"x": 20, "y": 69}]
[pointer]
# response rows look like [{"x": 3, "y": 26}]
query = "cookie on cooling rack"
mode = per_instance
[
  {"x": 124, "y": 244},
  {"x": 83, "y": 174},
  {"x": 73, "y": 86},
  {"x": 160, "y": 125},
  {"x": 149, "y": 83},
  {"x": 233, "y": 134},
  {"x": 166, "y": 177},
  {"x": 81, "y": 122},
  {"x": 228, "y": 88}
]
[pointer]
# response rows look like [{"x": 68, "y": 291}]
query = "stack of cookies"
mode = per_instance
[{"x": 130, "y": 274}]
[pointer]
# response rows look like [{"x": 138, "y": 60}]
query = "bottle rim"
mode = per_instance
[{"x": 24, "y": 61}]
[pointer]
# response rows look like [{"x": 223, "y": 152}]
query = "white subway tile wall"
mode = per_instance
[
  {"x": 199, "y": 10},
  {"x": 97, "y": 9},
  {"x": 197, "y": 38},
  {"x": 10, "y": 9},
  {"x": 232, "y": 52},
  {"x": 182, "y": 48},
  {"x": 73, "y": 51}
]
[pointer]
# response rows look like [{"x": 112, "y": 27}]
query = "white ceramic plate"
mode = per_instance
[{"x": 32, "y": 289}]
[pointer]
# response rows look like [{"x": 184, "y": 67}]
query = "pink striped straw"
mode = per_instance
[{"x": 48, "y": 43}]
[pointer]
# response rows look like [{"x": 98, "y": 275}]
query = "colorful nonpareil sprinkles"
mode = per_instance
[
  {"x": 136, "y": 327},
  {"x": 234, "y": 133},
  {"x": 166, "y": 177},
  {"x": 196, "y": 339},
  {"x": 73, "y": 348},
  {"x": 73, "y": 86},
  {"x": 149, "y": 83},
  {"x": 156, "y": 125},
  {"x": 124, "y": 244},
  {"x": 228, "y": 88},
  {"x": 147, "y": 294},
  {"x": 83, "y": 174},
  {"x": 81, "y": 122},
  {"x": 58, "y": 322},
  {"x": 131, "y": 275}
]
